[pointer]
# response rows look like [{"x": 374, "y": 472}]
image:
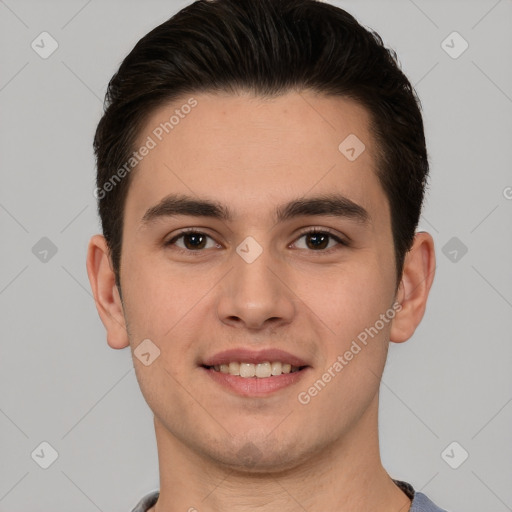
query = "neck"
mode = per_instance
[{"x": 347, "y": 476}]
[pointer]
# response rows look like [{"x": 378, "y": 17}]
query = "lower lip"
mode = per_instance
[{"x": 254, "y": 386}]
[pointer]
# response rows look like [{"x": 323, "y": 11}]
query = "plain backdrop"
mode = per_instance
[{"x": 61, "y": 384}]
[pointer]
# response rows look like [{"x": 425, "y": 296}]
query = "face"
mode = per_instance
[{"x": 288, "y": 260}]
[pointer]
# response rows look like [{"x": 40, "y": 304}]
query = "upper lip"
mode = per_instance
[{"x": 243, "y": 355}]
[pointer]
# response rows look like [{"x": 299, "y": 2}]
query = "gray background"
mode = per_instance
[{"x": 61, "y": 383}]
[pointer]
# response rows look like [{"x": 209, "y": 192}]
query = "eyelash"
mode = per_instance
[{"x": 309, "y": 231}]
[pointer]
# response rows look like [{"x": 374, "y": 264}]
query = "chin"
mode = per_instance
[{"x": 264, "y": 455}]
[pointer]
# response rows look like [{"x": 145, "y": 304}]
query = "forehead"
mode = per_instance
[{"x": 248, "y": 151}]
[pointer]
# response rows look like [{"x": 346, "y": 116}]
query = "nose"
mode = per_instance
[{"x": 256, "y": 295}]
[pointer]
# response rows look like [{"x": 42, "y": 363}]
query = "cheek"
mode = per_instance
[
  {"x": 154, "y": 298},
  {"x": 158, "y": 306},
  {"x": 169, "y": 306},
  {"x": 141, "y": 308},
  {"x": 348, "y": 299},
  {"x": 355, "y": 345}
]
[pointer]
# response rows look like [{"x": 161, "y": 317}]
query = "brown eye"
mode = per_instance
[
  {"x": 192, "y": 241},
  {"x": 319, "y": 241}
]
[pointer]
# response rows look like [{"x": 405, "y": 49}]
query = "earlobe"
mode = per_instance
[
  {"x": 412, "y": 294},
  {"x": 105, "y": 292}
]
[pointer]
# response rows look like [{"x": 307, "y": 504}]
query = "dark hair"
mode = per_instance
[{"x": 269, "y": 47}]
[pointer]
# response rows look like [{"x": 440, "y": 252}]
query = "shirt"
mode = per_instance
[{"x": 420, "y": 503}]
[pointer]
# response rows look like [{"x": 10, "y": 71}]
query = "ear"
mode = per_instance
[
  {"x": 412, "y": 294},
  {"x": 106, "y": 294}
]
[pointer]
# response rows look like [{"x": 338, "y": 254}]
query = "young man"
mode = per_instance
[{"x": 261, "y": 172}]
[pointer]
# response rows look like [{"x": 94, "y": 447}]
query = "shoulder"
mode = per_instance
[
  {"x": 422, "y": 504},
  {"x": 146, "y": 502},
  {"x": 419, "y": 502}
]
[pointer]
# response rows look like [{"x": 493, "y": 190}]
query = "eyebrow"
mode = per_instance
[{"x": 332, "y": 205}]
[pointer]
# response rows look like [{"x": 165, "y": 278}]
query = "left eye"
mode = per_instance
[{"x": 318, "y": 240}]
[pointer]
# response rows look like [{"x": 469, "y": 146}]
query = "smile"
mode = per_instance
[{"x": 259, "y": 370}]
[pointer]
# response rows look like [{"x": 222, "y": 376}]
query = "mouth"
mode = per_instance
[{"x": 260, "y": 373}]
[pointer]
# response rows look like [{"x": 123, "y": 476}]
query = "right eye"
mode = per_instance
[{"x": 191, "y": 240}]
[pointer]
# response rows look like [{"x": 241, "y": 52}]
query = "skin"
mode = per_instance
[{"x": 252, "y": 154}]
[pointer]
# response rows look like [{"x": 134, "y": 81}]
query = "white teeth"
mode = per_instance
[
  {"x": 234, "y": 368},
  {"x": 263, "y": 370},
  {"x": 259, "y": 370},
  {"x": 276, "y": 368},
  {"x": 247, "y": 370}
]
